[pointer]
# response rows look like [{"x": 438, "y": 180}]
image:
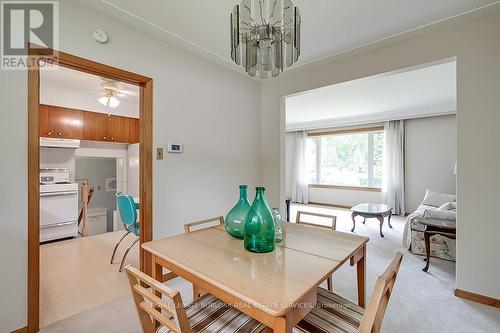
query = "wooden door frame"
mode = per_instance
[{"x": 145, "y": 160}]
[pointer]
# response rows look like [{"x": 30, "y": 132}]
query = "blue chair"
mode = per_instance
[{"x": 128, "y": 214}]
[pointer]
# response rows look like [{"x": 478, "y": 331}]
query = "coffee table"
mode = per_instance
[{"x": 372, "y": 210}]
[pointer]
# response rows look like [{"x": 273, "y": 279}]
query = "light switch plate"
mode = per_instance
[{"x": 159, "y": 153}]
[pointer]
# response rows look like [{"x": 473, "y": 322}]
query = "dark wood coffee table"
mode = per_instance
[
  {"x": 446, "y": 228},
  {"x": 371, "y": 210}
]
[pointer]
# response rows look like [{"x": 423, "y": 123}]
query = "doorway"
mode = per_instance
[{"x": 145, "y": 84}]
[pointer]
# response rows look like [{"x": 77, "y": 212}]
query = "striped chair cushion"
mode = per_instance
[
  {"x": 209, "y": 314},
  {"x": 332, "y": 313}
]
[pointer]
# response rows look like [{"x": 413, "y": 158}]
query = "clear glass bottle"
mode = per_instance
[
  {"x": 278, "y": 225},
  {"x": 259, "y": 225},
  {"x": 235, "y": 219}
]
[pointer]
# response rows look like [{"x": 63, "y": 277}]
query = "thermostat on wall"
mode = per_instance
[{"x": 174, "y": 148}]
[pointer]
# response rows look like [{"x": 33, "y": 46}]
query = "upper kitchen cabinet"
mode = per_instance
[
  {"x": 93, "y": 126},
  {"x": 59, "y": 122},
  {"x": 122, "y": 129}
]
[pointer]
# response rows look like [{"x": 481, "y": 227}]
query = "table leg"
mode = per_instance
[
  {"x": 427, "y": 242},
  {"x": 381, "y": 219},
  {"x": 280, "y": 325},
  {"x": 353, "y": 215},
  {"x": 361, "y": 270},
  {"x": 389, "y": 220},
  {"x": 359, "y": 259}
]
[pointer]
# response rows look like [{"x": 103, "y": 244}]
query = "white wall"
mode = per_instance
[
  {"x": 431, "y": 152},
  {"x": 475, "y": 45},
  {"x": 96, "y": 171},
  {"x": 212, "y": 110},
  {"x": 290, "y": 147}
]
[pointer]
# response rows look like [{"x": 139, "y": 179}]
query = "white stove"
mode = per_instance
[{"x": 58, "y": 205}]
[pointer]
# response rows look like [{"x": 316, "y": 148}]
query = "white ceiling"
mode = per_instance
[
  {"x": 413, "y": 93},
  {"x": 74, "y": 89},
  {"x": 328, "y": 26}
]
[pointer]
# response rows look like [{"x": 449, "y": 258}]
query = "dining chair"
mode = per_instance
[
  {"x": 332, "y": 223},
  {"x": 189, "y": 226},
  {"x": 333, "y": 313},
  {"x": 156, "y": 302},
  {"x": 197, "y": 292},
  {"x": 128, "y": 215}
]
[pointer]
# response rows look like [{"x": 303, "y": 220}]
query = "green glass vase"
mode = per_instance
[
  {"x": 259, "y": 225},
  {"x": 235, "y": 219}
]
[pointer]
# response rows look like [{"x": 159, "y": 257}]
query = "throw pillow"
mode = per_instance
[{"x": 437, "y": 199}]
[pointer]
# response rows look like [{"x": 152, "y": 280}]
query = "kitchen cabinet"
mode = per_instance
[
  {"x": 94, "y": 126},
  {"x": 86, "y": 125},
  {"x": 59, "y": 122}
]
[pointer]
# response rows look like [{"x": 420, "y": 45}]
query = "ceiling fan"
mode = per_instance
[{"x": 111, "y": 92}]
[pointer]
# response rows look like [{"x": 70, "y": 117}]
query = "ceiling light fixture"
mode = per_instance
[
  {"x": 265, "y": 36},
  {"x": 109, "y": 99}
]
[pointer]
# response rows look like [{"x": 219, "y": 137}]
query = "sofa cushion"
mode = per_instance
[
  {"x": 437, "y": 199},
  {"x": 449, "y": 206}
]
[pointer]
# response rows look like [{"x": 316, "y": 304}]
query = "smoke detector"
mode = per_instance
[{"x": 100, "y": 36}]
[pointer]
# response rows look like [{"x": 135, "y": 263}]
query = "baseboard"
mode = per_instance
[
  {"x": 329, "y": 205},
  {"x": 478, "y": 298},
  {"x": 21, "y": 330}
]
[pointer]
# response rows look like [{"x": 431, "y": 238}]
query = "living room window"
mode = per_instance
[{"x": 345, "y": 158}]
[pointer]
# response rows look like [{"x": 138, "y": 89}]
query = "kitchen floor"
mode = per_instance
[{"x": 76, "y": 274}]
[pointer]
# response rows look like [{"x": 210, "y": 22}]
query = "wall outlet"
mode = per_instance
[{"x": 159, "y": 153}]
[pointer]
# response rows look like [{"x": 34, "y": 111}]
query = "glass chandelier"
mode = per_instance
[{"x": 265, "y": 36}]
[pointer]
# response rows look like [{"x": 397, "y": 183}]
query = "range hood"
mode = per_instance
[{"x": 59, "y": 143}]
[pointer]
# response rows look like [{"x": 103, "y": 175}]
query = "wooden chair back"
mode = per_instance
[
  {"x": 375, "y": 311},
  {"x": 156, "y": 302},
  {"x": 331, "y": 219},
  {"x": 189, "y": 227}
]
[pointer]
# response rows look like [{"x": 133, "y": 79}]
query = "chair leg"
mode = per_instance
[
  {"x": 116, "y": 246},
  {"x": 329, "y": 283},
  {"x": 125, "y": 254}
]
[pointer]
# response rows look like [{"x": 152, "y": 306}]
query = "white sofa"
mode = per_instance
[{"x": 434, "y": 206}]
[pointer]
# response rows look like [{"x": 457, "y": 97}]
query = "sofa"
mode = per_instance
[{"x": 436, "y": 206}]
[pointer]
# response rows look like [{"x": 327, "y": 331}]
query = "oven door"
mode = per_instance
[{"x": 58, "y": 207}]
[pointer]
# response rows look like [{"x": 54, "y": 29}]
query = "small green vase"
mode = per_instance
[
  {"x": 235, "y": 219},
  {"x": 259, "y": 225}
]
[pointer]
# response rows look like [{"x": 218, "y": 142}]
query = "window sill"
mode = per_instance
[{"x": 343, "y": 187}]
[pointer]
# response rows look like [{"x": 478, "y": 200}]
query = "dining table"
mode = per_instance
[{"x": 277, "y": 288}]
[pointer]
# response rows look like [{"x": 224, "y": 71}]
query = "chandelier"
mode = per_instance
[{"x": 265, "y": 36}]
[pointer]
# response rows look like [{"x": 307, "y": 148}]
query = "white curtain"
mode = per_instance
[
  {"x": 394, "y": 177},
  {"x": 300, "y": 189}
]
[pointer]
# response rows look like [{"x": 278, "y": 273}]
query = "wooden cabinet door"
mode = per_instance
[
  {"x": 95, "y": 126},
  {"x": 116, "y": 129},
  {"x": 45, "y": 123},
  {"x": 59, "y": 122},
  {"x": 122, "y": 129}
]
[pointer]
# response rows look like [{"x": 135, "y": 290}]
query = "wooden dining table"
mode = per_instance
[{"x": 276, "y": 288}]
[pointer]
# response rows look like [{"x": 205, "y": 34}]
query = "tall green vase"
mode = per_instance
[
  {"x": 235, "y": 219},
  {"x": 259, "y": 225}
]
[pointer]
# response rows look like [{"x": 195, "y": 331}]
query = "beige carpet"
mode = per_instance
[
  {"x": 76, "y": 275},
  {"x": 421, "y": 302}
]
